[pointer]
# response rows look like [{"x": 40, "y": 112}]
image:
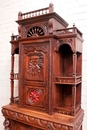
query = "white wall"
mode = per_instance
[{"x": 73, "y": 11}]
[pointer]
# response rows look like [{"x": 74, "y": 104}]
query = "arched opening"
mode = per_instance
[
  {"x": 17, "y": 51},
  {"x": 66, "y": 60}
]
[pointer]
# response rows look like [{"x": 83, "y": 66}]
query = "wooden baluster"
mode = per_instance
[
  {"x": 26, "y": 15},
  {"x": 46, "y": 11},
  {"x": 29, "y": 15},
  {"x": 22, "y": 16},
  {"x": 39, "y": 13},
  {"x": 14, "y": 37},
  {"x": 73, "y": 99},
  {"x": 32, "y": 14},
  {"x": 42, "y": 12},
  {"x": 12, "y": 78},
  {"x": 35, "y": 13},
  {"x": 74, "y": 63}
]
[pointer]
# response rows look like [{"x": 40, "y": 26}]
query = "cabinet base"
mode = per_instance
[{"x": 24, "y": 119}]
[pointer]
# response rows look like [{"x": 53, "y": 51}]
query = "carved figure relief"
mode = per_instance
[
  {"x": 35, "y": 57},
  {"x": 35, "y": 66}
]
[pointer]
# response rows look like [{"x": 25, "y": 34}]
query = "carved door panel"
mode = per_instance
[
  {"x": 34, "y": 63},
  {"x": 34, "y": 75}
]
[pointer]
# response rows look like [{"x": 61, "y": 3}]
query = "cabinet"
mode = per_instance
[{"x": 49, "y": 75}]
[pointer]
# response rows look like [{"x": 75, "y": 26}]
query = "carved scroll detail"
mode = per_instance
[
  {"x": 20, "y": 30},
  {"x": 51, "y": 26},
  {"x": 6, "y": 124}
]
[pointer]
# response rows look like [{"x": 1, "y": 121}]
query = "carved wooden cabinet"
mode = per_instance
[{"x": 49, "y": 76}]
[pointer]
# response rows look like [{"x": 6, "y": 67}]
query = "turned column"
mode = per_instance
[{"x": 12, "y": 79}]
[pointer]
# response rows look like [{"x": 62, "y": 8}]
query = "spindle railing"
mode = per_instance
[{"x": 39, "y": 12}]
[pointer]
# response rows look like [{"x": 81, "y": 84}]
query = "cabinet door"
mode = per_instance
[{"x": 34, "y": 75}]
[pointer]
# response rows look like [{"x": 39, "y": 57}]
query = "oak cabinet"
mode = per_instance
[{"x": 49, "y": 74}]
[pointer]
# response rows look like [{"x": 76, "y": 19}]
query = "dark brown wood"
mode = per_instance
[{"x": 50, "y": 74}]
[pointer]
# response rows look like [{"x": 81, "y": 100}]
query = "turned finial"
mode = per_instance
[
  {"x": 51, "y": 8},
  {"x": 19, "y": 15},
  {"x": 73, "y": 24}
]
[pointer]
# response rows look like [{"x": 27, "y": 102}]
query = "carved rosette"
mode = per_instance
[{"x": 34, "y": 96}]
